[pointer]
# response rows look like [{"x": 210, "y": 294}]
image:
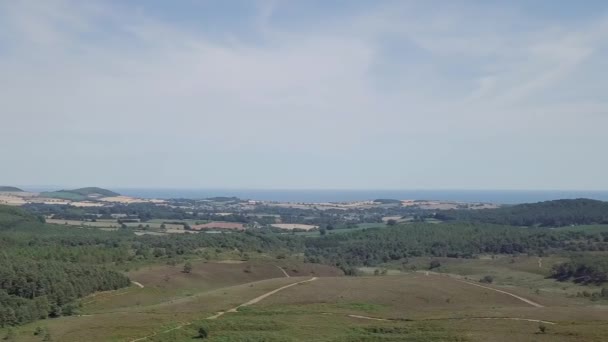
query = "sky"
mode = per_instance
[{"x": 304, "y": 94}]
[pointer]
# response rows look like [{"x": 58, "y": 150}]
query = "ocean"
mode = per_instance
[{"x": 489, "y": 196}]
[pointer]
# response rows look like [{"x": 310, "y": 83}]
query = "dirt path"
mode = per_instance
[
  {"x": 136, "y": 283},
  {"x": 259, "y": 298},
  {"x": 525, "y": 300},
  {"x": 457, "y": 278},
  {"x": 370, "y": 318},
  {"x": 540, "y": 262},
  {"x": 285, "y": 273},
  {"x": 219, "y": 314},
  {"x": 464, "y": 318}
]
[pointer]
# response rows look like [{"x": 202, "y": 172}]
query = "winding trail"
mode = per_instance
[
  {"x": 235, "y": 309},
  {"x": 525, "y": 300}
]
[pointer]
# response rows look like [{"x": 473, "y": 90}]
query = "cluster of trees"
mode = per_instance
[
  {"x": 371, "y": 247},
  {"x": 140, "y": 211},
  {"x": 42, "y": 271},
  {"x": 37, "y": 290},
  {"x": 544, "y": 214},
  {"x": 583, "y": 269}
]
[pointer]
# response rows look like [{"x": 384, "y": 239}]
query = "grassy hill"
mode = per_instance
[
  {"x": 556, "y": 213},
  {"x": 80, "y": 194},
  {"x": 9, "y": 189}
]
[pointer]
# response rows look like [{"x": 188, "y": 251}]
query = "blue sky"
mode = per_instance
[{"x": 305, "y": 94}]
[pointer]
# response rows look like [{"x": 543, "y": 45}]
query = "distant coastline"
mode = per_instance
[{"x": 489, "y": 196}]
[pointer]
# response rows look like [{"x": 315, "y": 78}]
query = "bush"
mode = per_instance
[
  {"x": 187, "y": 267},
  {"x": 203, "y": 333},
  {"x": 487, "y": 279},
  {"x": 434, "y": 264}
]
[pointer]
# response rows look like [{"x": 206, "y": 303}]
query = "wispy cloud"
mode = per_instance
[{"x": 400, "y": 87}]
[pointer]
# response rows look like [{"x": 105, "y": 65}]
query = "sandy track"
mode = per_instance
[
  {"x": 219, "y": 314},
  {"x": 285, "y": 273},
  {"x": 525, "y": 300},
  {"x": 370, "y": 318},
  {"x": 260, "y": 298},
  {"x": 138, "y": 284},
  {"x": 457, "y": 278},
  {"x": 464, "y": 318}
]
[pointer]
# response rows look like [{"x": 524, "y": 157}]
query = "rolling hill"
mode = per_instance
[
  {"x": 10, "y": 189},
  {"x": 80, "y": 194}
]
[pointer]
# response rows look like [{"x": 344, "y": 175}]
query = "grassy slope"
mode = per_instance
[
  {"x": 426, "y": 308},
  {"x": 10, "y": 189},
  {"x": 79, "y": 194}
]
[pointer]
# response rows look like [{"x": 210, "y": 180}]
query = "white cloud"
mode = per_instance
[{"x": 83, "y": 83}]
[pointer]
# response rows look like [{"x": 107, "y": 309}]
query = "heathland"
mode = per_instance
[{"x": 382, "y": 270}]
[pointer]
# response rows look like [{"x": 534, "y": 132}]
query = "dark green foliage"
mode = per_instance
[
  {"x": 487, "y": 279},
  {"x": 584, "y": 269},
  {"x": 203, "y": 333},
  {"x": 545, "y": 214},
  {"x": 434, "y": 264},
  {"x": 371, "y": 247},
  {"x": 187, "y": 267},
  {"x": 391, "y": 222},
  {"x": 42, "y": 270}
]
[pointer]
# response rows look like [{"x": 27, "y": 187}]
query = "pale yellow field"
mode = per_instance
[{"x": 291, "y": 226}]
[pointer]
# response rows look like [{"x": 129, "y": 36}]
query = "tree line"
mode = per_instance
[
  {"x": 556, "y": 213},
  {"x": 371, "y": 247}
]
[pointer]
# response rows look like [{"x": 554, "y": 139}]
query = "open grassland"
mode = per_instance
[
  {"x": 165, "y": 283},
  {"x": 307, "y": 302},
  {"x": 530, "y": 273}
]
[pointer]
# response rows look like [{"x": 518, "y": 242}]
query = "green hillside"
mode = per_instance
[
  {"x": 556, "y": 213},
  {"x": 80, "y": 194},
  {"x": 94, "y": 190},
  {"x": 10, "y": 189}
]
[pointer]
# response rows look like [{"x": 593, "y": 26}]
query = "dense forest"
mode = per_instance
[
  {"x": 374, "y": 246},
  {"x": 39, "y": 278},
  {"x": 544, "y": 214}
]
